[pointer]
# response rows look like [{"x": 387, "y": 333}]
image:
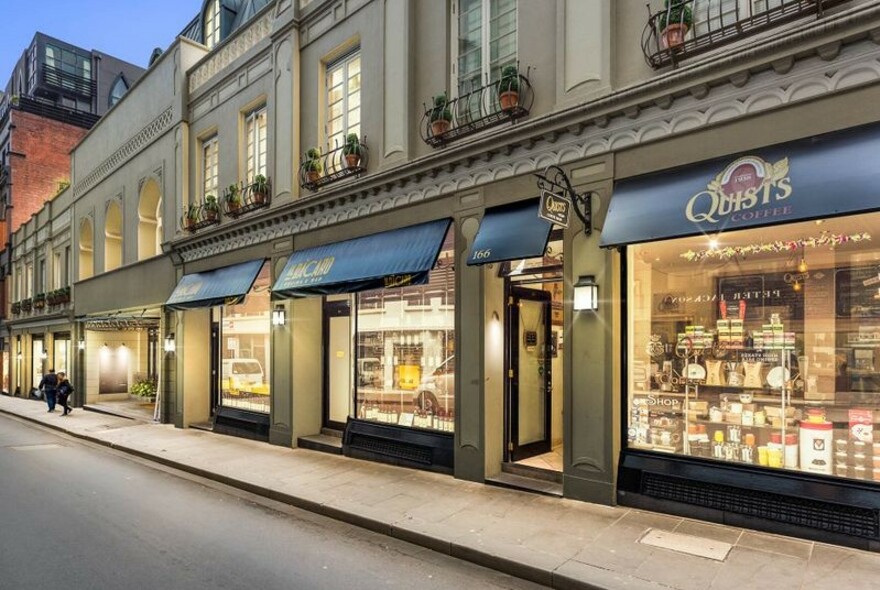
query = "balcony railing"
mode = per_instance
[
  {"x": 58, "y": 78},
  {"x": 240, "y": 199},
  {"x": 199, "y": 216},
  {"x": 347, "y": 160},
  {"x": 494, "y": 104},
  {"x": 685, "y": 28}
]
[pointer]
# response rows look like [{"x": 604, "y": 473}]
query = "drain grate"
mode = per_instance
[
  {"x": 826, "y": 516},
  {"x": 391, "y": 448}
]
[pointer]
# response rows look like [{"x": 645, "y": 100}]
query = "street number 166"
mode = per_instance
[{"x": 482, "y": 254}]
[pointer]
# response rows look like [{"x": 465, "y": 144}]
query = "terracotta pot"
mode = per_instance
[
  {"x": 352, "y": 160},
  {"x": 439, "y": 127},
  {"x": 509, "y": 100},
  {"x": 211, "y": 215},
  {"x": 259, "y": 198},
  {"x": 313, "y": 176},
  {"x": 673, "y": 35}
]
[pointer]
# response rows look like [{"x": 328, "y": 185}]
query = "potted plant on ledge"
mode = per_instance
[
  {"x": 192, "y": 216},
  {"x": 232, "y": 198},
  {"x": 26, "y": 304},
  {"x": 212, "y": 209},
  {"x": 441, "y": 116},
  {"x": 675, "y": 22},
  {"x": 39, "y": 300},
  {"x": 16, "y": 308},
  {"x": 313, "y": 166},
  {"x": 351, "y": 151},
  {"x": 260, "y": 189},
  {"x": 508, "y": 88}
]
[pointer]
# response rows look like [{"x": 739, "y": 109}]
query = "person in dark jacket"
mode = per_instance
[
  {"x": 49, "y": 386},
  {"x": 64, "y": 391}
]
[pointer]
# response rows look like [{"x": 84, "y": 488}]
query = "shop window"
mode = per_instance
[
  {"x": 343, "y": 86},
  {"x": 256, "y": 148},
  {"x": 245, "y": 349},
  {"x": 61, "y": 357},
  {"x": 759, "y": 347},
  {"x": 405, "y": 350}
]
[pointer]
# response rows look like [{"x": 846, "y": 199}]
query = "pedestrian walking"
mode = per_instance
[
  {"x": 65, "y": 389},
  {"x": 49, "y": 387}
]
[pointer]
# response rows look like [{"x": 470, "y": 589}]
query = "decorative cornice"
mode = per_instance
[
  {"x": 227, "y": 53},
  {"x": 129, "y": 149},
  {"x": 592, "y": 129}
]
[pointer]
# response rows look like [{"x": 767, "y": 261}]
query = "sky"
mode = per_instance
[{"x": 127, "y": 29}]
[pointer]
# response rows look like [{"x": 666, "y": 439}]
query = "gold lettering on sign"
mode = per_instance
[{"x": 747, "y": 183}]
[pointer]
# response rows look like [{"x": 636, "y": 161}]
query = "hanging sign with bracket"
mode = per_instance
[
  {"x": 555, "y": 208},
  {"x": 558, "y": 198}
]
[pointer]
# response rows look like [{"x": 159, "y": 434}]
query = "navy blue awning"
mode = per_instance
[
  {"x": 510, "y": 232},
  {"x": 821, "y": 176},
  {"x": 390, "y": 259},
  {"x": 227, "y": 285}
]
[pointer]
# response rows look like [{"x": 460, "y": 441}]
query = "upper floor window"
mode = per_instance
[
  {"x": 256, "y": 143},
  {"x": 69, "y": 62},
  {"x": 212, "y": 23},
  {"x": 210, "y": 166},
  {"x": 486, "y": 41},
  {"x": 343, "y": 99},
  {"x": 119, "y": 88}
]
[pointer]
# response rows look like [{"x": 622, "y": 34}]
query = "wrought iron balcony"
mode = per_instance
[
  {"x": 685, "y": 28},
  {"x": 240, "y": 199},
  {"x": 199, "y": 216},
  {"x": 347, "y": 160},
  {"x": 496, "y": 103}
]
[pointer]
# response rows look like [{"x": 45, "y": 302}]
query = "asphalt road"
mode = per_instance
[{"x": 78, "y": 516}]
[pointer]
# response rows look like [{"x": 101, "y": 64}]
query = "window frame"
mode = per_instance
[
  {"x": 252, "y": 139},
  {"x": 343, "y": 63},
  {"x": 209, "y": 142},
  {"x": 485, "y": 44},
  {"x": 212, "y": 17}
]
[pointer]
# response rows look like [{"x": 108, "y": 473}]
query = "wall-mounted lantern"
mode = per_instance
[{"x": 586, "y": 294}]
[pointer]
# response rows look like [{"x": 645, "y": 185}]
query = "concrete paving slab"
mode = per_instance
[
  {"x": 562, "y": 543},
  {"x": 696, "y": 546}
]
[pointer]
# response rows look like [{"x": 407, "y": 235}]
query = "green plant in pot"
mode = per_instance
[
  {"x": 212, "y": 209},
  {"x": 675, "y": 21},
  {"x": 144, "y": 388},
  {"x": 441, "y": 116},
  {"x": 260, "y": 189},
  {"x": 192, "y": 215},
  {"x": 508, "y": 88},
  {"x": 351, "y": 151},
  {"x": 313, "y": 165},
  {"x": 233, "y": 198}
]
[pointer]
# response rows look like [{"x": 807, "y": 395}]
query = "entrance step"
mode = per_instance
[
  {"x": 321, "y": 442},
  {"x": 209, "y": 426},
  {"x": 532, "y": 472},
  {"x": 527, "y": 484},
  {"x": 332, "y": 432}
]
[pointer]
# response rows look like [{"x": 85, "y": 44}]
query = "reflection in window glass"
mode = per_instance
[
  {"x": 343, "y": 100},
  {"x": 61, "y": 358},
  {"x": 760, "y": 348},
  {"x": 245, "y": 350},
  {"x": 405, "y": 339}
]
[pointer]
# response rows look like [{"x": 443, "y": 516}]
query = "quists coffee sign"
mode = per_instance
[{"x": 750, "y": 188}]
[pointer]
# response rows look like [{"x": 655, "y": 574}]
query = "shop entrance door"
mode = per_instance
[
  {"x": 528, "y": 402},
  {"x": 338, "y": 364}
]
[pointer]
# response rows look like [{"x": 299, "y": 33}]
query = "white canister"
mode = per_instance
[{"x": 816, "y": 446}]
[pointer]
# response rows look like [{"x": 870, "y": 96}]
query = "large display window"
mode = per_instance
[
  {"x": 245, "y": 349},
  {"x": 405, "y": 350},
  {"x": 759, "y": 347}
]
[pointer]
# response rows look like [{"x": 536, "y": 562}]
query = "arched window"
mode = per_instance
[
  {"x": 113, "y": 237},
  {"x": 212, "y": 23},
  {"x": 86, "y": 250},
  {"x": 119, "y": 88},
  {"x": 149, "y": 221}
]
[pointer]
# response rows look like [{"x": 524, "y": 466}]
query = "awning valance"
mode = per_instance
[
  {"x": 510, "y": 232},
  {"x": 822, "y": 176},
  {"x": 394, "y": 258},
  {"x": 227, "y": 285}
]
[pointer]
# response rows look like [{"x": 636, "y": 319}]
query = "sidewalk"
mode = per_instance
[{"x": 555, "y": 542}]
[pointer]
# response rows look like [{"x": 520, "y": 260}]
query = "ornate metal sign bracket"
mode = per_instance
[{"x": 554, "y": 179}]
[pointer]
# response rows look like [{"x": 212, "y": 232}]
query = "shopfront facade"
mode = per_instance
[{"x": 750, "y": 297}]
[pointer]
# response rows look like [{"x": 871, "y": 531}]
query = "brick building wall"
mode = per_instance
[{"x": 39, "y": 159}]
